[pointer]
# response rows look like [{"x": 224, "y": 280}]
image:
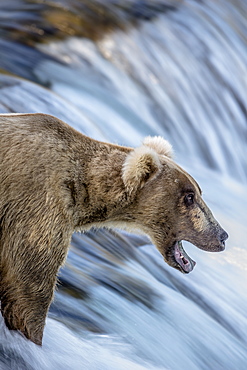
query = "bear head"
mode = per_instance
[{"x": 167, "y": 204}]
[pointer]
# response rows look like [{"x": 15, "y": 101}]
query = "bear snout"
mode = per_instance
[
  {"x": 213, "y": 240},
  {"x": 219, "y": 244}
]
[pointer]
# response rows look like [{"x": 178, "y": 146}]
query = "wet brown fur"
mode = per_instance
[{"x": 54, "y": 180}]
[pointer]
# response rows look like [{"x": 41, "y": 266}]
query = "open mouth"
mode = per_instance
[{"x": 182, "y": 258}]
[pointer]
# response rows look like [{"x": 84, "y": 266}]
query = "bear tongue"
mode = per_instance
[{"x": 182, "y": 258}]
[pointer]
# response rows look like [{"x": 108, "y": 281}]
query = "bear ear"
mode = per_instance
[
  {"x": 140, "y": 165},
  {"x": 160, "y": 145}
]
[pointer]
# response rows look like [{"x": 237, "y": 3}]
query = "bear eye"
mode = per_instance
[{"x": 189, "y": 199}]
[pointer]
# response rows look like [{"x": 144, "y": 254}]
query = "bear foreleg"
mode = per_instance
[{"x": 28, "y": 275}]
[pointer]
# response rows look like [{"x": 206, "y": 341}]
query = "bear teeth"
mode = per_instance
[{"x": 186, "y": 263}]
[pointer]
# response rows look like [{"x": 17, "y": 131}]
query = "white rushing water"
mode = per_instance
[{"x": 182, "y": 76}]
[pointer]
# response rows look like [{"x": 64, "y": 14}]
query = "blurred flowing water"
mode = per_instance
[{"x": 118, "y": 71}]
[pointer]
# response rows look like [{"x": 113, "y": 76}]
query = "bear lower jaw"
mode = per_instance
[{"x": 185, "y": 263}]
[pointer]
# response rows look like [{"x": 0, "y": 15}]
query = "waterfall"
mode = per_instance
[{"x": 170, "y": 68}]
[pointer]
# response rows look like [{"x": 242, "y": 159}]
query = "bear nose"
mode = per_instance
[{"x": 223, "y": 237}]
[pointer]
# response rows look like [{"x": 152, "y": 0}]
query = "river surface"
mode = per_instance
[{"x": 176, "y": 69}]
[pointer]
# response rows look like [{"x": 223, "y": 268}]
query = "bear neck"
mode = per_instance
[{"x": 100, "y": 192}]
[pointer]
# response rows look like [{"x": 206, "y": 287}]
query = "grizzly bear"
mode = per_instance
[{"x": 54, "y": 181}]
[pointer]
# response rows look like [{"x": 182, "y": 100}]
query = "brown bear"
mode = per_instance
[{"x": 54, "y": 180}]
